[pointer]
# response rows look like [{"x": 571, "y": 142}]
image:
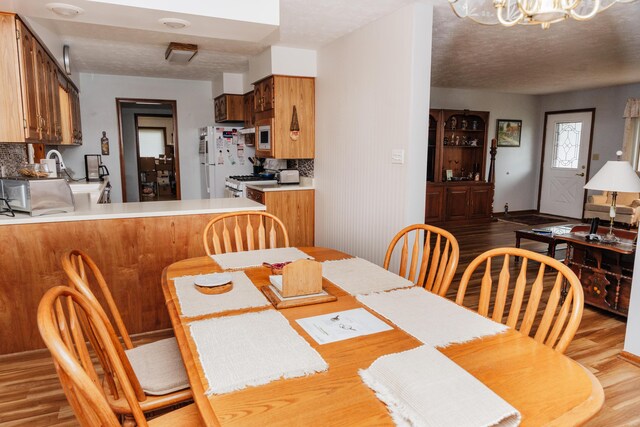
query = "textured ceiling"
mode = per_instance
[
  {"x": 570, "y": 55},
  {"x": 311, "y": 24},
  {"x": 111, "y": 50}
]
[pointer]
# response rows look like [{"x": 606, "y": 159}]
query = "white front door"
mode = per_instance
[{"x": 564, "y": 171}]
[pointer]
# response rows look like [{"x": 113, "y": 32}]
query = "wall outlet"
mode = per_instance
[{"x": 397, "y": 156}]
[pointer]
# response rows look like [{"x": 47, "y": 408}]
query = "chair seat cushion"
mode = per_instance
[
  {"x": 158, "y": 366},
  {"x": 621, "y": 210}
]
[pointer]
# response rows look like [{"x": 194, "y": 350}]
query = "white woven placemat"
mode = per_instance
[
  {"x": 430, "y": 318},
  {"x": 359, "y": 276},
  {"x": 246, "y": 259},
  {"x": 252, "y": 349},
  {"x": 192, "y": 302},
  {"x": 422, "y": 387}
]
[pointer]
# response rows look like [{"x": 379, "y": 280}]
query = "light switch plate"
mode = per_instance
[
  {"x": 397, "y": 156},
  {"x": 595, "y": 156}
]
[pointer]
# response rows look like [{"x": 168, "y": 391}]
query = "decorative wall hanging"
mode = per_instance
[
  {"x": 294, "y": 130},
  {"x": 508, "y": 132},
  {"x": 104, "y": 143}
]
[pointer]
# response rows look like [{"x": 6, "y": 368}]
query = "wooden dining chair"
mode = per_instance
[
  {"x": 240, "y": 231},
  {"x": 552, "y": 302},
  {"x": 157, "y": 372},
  {"x": 435, "y": 250},
  {"x": 61, "y": 315}
]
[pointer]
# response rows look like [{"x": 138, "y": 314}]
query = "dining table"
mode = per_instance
[{"x": 545, "y": 386}]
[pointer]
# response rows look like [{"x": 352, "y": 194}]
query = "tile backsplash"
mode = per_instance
[
  {"x": 12, "y": 156},
  {"x": 305, "y": 166}
]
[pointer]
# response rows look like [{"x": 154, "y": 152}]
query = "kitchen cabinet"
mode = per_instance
[
  {"x": 31, "y": 110},
  {"x": 295, "y": 208},
  {"x": 263, "y": 95},
  {"x": 228, "y": 108},
  {"x": 248, "y": 110},
  {"x": 27, "y": 52},
  {"x": 76, "y": 123},
  {"x": 456, "y": 167},
  {"x": 287, "y": 105}
]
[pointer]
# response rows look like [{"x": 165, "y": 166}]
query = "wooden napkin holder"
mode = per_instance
[{"x": 302, "y": 277}]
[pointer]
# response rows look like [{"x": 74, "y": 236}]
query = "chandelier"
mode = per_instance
[{"x": 529, "y": 12}]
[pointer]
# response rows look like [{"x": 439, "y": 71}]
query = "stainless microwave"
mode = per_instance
[{"x": 264, "y": 135}]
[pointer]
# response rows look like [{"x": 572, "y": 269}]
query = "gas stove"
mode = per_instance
[{"x": 236, "y": 185}]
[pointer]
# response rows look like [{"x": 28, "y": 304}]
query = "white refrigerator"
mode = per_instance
[{"x": 222, "y": 153}]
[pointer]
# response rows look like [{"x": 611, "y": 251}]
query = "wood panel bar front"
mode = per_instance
[{"x": 131, "y": 253}]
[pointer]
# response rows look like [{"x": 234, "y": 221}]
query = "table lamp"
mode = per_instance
[{"x": 614, "y": 177}]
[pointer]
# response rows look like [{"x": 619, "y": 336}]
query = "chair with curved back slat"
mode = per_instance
[
  {"x": 437, "y": 255},
  {"x": 82, "y": 271},
  {"x": 563, "y": 306},
  {"x": 240, "y": 231},
  {"x": 62, "y": 312}
]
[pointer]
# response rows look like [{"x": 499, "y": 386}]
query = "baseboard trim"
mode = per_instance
[
  {"x": 629, "y": 357},
  {"x": 525, "y": 212}
]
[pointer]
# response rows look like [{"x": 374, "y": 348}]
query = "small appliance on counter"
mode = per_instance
[
  {"x": 37, "y": 196},
  {"x": 93, "y": 167},
  {"x": 289, "y": 176}
]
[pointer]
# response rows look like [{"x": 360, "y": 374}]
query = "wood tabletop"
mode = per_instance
[{"x": 546, "y": 387}]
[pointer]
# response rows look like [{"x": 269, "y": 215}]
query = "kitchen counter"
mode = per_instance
[
  {"x": 86, "y": 193},
  {"x": 305, "y": 184},
  {"x": 88, "y": 212}
]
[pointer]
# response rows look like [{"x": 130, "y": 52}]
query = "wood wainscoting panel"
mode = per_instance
[{"x": 131, "y": 253}]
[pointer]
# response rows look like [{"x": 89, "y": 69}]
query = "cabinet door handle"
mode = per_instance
[{"x": 580, "y": 174}]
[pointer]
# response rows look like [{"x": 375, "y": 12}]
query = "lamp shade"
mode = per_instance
[{"x": 616, "y": 176}]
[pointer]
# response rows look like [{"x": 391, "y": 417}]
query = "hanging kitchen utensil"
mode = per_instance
[{"x": 294, "y": 130}]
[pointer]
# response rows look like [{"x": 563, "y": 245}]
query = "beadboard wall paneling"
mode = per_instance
[{"x": 372, "y": 96}]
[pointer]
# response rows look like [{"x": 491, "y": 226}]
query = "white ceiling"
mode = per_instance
[{"x": 570, "y": 55}]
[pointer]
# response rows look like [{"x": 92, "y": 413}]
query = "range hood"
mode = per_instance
[{"x": 247, "y": 130}]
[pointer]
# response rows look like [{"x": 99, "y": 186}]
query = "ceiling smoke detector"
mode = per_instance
[
  {"x": 174, "y": 23},
  {"x": 63, "y": 9},
  {"x": 180, "y": 53}
]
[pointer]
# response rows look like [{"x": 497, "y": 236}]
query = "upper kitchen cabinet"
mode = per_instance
[
  {"x": 229, "y": 108},
  {"x": 32, "y": 105},
  {"x": 249, "y": 110},
  {"x": 285, "y": 106}
]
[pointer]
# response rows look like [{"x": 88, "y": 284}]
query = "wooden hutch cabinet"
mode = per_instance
[{"x": 457, "y": 190}]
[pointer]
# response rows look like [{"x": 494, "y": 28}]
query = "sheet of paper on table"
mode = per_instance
[{"x": 342, "y": 325}]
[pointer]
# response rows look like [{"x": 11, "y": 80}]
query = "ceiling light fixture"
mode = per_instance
[
  {"x": 529, "y": 12},
  {"x": 63, "y": 9},
  {"x": 180, "y": 53},
  {"x": 174, "y": 23}
]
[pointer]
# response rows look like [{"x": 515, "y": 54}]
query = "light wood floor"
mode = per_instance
[{"x": 30, "y": 394}]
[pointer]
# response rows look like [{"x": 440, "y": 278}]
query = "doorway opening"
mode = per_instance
[
  {"x": 148, "y": 150},
  {"x": 564, "y": 169}
]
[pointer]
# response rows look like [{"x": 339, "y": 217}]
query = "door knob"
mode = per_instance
[{"x": 580, "y": 174}]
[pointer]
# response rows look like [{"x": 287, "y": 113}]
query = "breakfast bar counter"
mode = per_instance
[
  {"x": 130, "y": 242},
  {"x": 87, "y": 212}
]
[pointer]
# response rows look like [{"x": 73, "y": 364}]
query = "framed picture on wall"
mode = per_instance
[{"x": 508, "y": 132}]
